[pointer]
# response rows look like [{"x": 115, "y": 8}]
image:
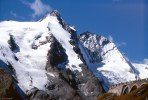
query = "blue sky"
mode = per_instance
[{"x": 123, "y": 21}]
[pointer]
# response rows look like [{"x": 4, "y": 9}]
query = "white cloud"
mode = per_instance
[
  {"x": 38, "y": 7},
  {"x": 121, "y": 44},
  {"x": 145, "y": 61},
  {"x": 110, "y": 38},
  {"x": 15, "y": 15}
]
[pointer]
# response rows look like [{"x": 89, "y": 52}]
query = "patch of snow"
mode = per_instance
[
  {"x": 51, "y": 74},
  {"x": 143, "y": 70},
  {"x": 72, "y": 27}
]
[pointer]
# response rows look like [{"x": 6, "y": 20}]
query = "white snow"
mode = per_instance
[
  {"x": 30, "y": 68},
  {"x": 51, "y": 74},
  {"x": 73, "y": 28},
  {"x": 143, "y": 70}
]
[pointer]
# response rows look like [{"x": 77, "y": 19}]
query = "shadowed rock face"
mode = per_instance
[
  {"x": 69, "y": 85},
  {"x": 13, "y": 46},
  {"x": 35, "y": 94},
  {"x": 88, "y": 85},
  {"x": 61, "y": 86},
  {"x": 83, "y": 84},
  {"x": 56, "y": 54},
  {"x": 7, "y": 87}
]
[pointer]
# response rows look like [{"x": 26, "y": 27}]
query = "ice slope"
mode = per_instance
[
  {"x": 143, "y": 70},
  {"x": 105, "y": 60},
  {"x": 29, "y": 60}
]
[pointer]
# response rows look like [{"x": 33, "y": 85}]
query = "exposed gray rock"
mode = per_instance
[
  {"x": 88, "y": 85},
  {"x": 13, "y": 45},
  {"x": 35, "y": 94},
  {"x": 56, "y": 54},
  {"x": 59, "y": 86}
]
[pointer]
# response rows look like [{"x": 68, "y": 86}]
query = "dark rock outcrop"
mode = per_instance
[
  {"x": 13, "y": 46},
  {"x": 35, "y": 94},
  {"x": 88, "y": 85},
  {"x": 7, "y": 87},
  {"x": 56, "y": 54}
]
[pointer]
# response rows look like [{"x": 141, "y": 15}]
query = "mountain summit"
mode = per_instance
[
  {"x": 103, "y": 57},
  {"x": 48, "y": 61}
]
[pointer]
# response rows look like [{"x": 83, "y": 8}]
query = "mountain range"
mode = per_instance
[{"x": 48, "y": 60}]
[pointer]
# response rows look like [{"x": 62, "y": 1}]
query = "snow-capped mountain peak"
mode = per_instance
[
  {"x": 55, "y": 13},
  {"x": 45, "y": 56},
  {"x": 103, "y": 57}
]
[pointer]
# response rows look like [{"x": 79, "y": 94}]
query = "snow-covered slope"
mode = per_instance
[
  {"x": 105, "y": 60},
  {"x": 29, "y": 63},
  {"x": 32, "y": 62},
  {"x": 143, "y": 70}
]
